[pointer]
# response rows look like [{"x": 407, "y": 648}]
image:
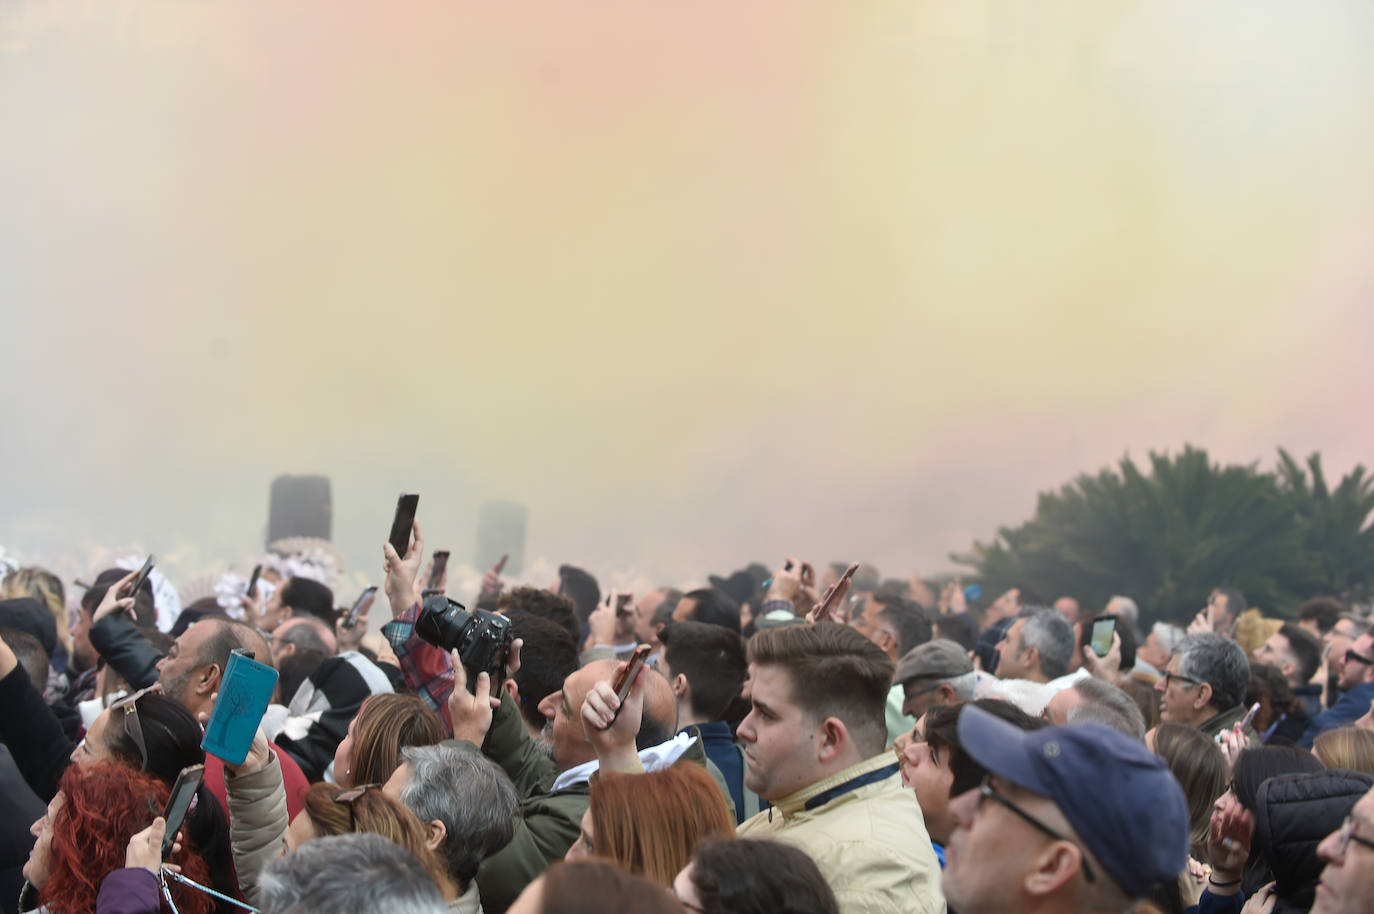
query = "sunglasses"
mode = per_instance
[
  {"x": 129, "y": 706},
  {"x": 986, "y": 792},
  {"x": 1171, "y": 678},
  {"x": 348, "y": 797},
  {"x": 1351, "y": 655}
]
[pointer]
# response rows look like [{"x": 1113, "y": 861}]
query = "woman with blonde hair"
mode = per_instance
[
  {"x": 45, "y": 587},
  {"x": 1346, "y": 747},
  {"x": 650, "y": 824}
]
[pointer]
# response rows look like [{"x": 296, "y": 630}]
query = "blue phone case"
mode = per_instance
[{"x": 244, "y": 695}]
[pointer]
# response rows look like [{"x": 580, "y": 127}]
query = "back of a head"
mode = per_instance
[
  {"x": 294, "y": 669},
  {"x": 349, "y": 874},
  {"x": 386, "y": 724},
  {"x": 750, "y": 876},
  {"x": 145, "y": 611},
  {"x": 28, "y": 650},
  {"x": 372, "y": 812},
  {"x": 1255, "y": 766},
  {"x": 309, "y": 598},
  {"x": 593, "y": 887},
  {"x": 579, "y": 586},
  {"x": 1351, "y": 748},
  {"x": 712, "y": 659},
  {"x": 539, "y": 602},
  {"x": 549, "y": 656},
  {"x": 41, "y": 585},
  {"x": 1294, "y": 813},
  {"x": 962, "y": 630},
  {"x": 651, "y": 824},
  {"x": 1199, "y": 766},
  {"x": 1051, "y": 634},
  {"x": 714, "y": 608},
  {"x": 1103, "y": 703},
  {"x": 170, "y": 733},
  {"x": 1235, "y": 600},
  {"x": 907, "y": 619},
  {"x": 1217, "y": 661},
  {"x": 834, "y": 672},
  {"x": 305, "y": 634},
  {"x": 471, "y": 795},
  {"x": 1323, "y": 611}
]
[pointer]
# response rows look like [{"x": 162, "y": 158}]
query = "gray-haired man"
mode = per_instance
[{"x": 468, "y": 806}]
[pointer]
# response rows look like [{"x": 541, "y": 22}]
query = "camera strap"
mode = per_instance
[{"x": 164, "y": 874}]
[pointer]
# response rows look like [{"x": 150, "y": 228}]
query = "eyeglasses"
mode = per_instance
[
  {"x": 1170, "y": 678},
  {"x": 1351, "y": 655},
  {"x": 908, "y": 694},
  {"x": 348, "y": 797},
  {"x": 1347, "y": 834},
  {"x": 986, "y": 792},
  {"x": 129, "y": 705}
]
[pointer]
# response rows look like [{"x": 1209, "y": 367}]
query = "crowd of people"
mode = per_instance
[{"x": 798, "y": 742}]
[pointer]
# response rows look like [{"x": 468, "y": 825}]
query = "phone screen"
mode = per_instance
[
  {"x": 400, "y": 525},
  {"x": 1103, "y": 629},
  {"x": 180, "y": 801},
  {"x": 436, "y": 573}
]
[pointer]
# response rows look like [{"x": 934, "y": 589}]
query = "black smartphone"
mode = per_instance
[
  {"x": 142, "y": 576},
  {"x": 364, "y": 600},
  {"x": 622, "y": 604},
  {"x": 436, "y": 572},
  {"x": 1103, "y": 629},
  {"x": 252, "y": 591},
  {"x": 180, "y": 801},
  {"x": 401, "y": 524}
]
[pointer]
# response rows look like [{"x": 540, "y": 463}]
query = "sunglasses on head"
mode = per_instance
[{"x": 128, "y": 708}]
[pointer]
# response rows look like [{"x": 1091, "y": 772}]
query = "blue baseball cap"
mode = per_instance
[{"x": 1121, "y": 799}]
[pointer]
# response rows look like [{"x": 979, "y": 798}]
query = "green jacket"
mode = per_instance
[{"x": 550, "y": 820}]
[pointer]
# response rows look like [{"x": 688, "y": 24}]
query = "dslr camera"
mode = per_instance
[{"x": 482, "y": 639}]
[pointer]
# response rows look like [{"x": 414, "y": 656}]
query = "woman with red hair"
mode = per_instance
[{"x": 85, "y": 836}]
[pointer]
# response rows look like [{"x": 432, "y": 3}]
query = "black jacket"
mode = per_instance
[
  {"x": 34, "y": 737},
  {"x": 126, "y": 650},
  {"x": 1293, "y": 813}
]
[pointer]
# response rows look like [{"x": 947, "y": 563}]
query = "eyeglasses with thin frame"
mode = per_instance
[
  {"x": 986, "y": 792},
  {"x": 348, "y": 797},
  {"x": 129, "y": 706},
  {"x": 1170, "y": 678},
  {"x": 1347, "y": 834},
  {"x": 1352, "y": 655}
]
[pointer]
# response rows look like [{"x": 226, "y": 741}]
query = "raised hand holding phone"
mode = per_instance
[
  {"x": 114, "y": 600},
  {"x": 834, "y": 596},
  {"x": 491, "y": 582},
  {"x": 611, "y": 715},
  {"x": 145, "y": 848},
  {"x": 402, "y": 572}
]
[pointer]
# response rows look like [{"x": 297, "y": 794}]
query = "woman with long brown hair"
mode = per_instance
[
  {"x": 383, "y": 726},
  {"x": 650, "y": 824}
]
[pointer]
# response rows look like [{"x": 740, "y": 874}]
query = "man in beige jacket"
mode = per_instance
[{"x": 814, "y": 748}]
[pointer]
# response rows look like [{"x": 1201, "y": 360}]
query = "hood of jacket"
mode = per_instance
[{"x": 1293, "y": 813}]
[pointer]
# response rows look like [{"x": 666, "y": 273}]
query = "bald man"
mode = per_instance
[{"x": 551, "y": 774}]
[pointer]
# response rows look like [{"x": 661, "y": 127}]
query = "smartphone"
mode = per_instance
[
  {"x": 500, "y": 566},
  {"x": 622, "y": 603},
  {"x": 142, "y": 576},
  {"x": 832, "y": 596},
  {"x": 244, "y": 694},
  {"x": 252, "y": 591},
  {"x": 1103, "y": 629},
  {"x": 183, "y": 791},
  {"x": 402, "y": 522},
  {"x": 363, "y": 602},
  {"x": 436, "y": 573},
  {"x": 625, "y": 679}
]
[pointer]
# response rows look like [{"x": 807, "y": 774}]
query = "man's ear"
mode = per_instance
[
  {"x": 435, "y": 833},
  {"x": 208, "y": 682},
  {"x": 511, "y": 688},
  {"x": 1204, "y": 696},
  {"x": 886, "y": 641},
  {"x": 832, "y": 738},
  {"x": 1032, "y": 655},
  {"x": 1052, "y": 868},
  {"x": 947, "y": 694},
  {"x": 681, "y": 687}
]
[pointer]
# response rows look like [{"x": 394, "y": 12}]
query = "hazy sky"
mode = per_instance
[{"x": 698, "y": 283}]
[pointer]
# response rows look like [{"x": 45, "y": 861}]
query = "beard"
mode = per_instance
[{"x": 544, "y": 744}]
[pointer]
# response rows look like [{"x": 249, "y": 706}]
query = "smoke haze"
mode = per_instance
[{"x": 698, "y": 284}]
